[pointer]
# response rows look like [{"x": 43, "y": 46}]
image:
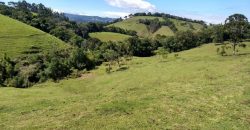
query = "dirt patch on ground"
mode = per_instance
[{"x": 87, "y": 76}]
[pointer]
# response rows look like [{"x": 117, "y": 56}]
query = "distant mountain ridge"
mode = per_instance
[{"x": 86, "y": 19}]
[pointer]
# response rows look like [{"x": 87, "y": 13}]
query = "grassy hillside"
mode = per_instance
[
  {"x": 164, "y": 30},
  {"x": 109, "y": 36},
  {"x": 197, "y": 90},
  {"x": 141, "y": 29},
  {"x": 17, "y": 38}
]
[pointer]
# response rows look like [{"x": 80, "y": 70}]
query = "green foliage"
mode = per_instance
[
  {"x": 110, "y": 56},
  {"x": 155, "y": 24},
  {"x": 141, "y": 47},
  {"x": 56, "y": 64},
  {"x": 162, "y": 52},
  {"x": 181, "y": 41},
  {"x": 57, "y": 69},
  {"x": 218, "y": 33},
  {"x": 236, "y": 26},
  {"x": 152, "y": 25},
  {"x": 222, "y": 50},
  {"x": 63, "y": 34},
  {"x": 115, "y": 51},
  {"x": 119, "y": 30},
  {"x": 157, "y": 14},
  {"x": 80, "y": 60}
]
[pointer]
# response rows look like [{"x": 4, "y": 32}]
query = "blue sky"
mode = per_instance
[{"x": 213, "y": 11}]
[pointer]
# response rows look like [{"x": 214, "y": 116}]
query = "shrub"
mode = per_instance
[{"x": 162, "y": 52}]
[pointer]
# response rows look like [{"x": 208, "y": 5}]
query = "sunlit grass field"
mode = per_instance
[
  {"x": 109, "y": 36},
  {"x": 16, "y": 38},
  {"x": 198, "y": 89}
]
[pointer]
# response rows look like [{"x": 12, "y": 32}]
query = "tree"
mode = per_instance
[
  {"x": 141, "y": 47},
  {"x": 185, "y": 40},
  {"x": 57, "y": 69},
  {"x": 162, "y": 52},
  {"x": 79, "y": 60},
  {"x": 110, "y": 56},
  {"x": 236, "y": 25},
  {"x": 218, "y": 33}
]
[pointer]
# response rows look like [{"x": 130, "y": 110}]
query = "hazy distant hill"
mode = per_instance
[{"x": 84, "y": 18}]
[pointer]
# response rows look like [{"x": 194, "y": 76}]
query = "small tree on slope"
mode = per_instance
[{"x": 236, "y": 26}]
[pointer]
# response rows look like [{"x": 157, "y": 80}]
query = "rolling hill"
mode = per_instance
[
  {"x": 109, "y": 36},
  {"x": 141, "y": 29},
  {"x": 86, "y": 19},
  {"x": 17, "y": 38},
  {"x": 196, "y": 90}
]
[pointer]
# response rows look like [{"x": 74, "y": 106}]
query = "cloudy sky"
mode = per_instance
[{"x": 212, "y": 11}]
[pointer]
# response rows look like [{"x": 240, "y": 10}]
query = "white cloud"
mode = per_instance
[
  {"x": 115, "y": 14},
  {"x": 135, "y": 5}
]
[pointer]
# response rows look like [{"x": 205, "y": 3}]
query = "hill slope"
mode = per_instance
[
  {"x": 17, "y": 38},
  {"x": 109, "y": 36},
  {"x": 197, "y": 90},
  {"x": 141, "y": 29}
]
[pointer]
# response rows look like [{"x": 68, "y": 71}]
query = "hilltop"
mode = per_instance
[
  {"x": 133, "y": 23},
  {"x": 146, "y": 27},
  {"x": 17, "y": 38}
]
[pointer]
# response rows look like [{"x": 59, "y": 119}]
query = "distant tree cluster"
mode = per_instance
[
  {"x": 154, "y": 24},
  {"x": 183, "y": 40}
]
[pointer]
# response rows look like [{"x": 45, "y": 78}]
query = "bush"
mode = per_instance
[
  {"x": 142, "y": 47},
  {"x": 79, "y": 60},
  {"x": 162, "y": 52},
  {"x": 57, "y": 69}
]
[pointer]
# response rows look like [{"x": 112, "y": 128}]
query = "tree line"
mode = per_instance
[{"x": 157, "y": 14}]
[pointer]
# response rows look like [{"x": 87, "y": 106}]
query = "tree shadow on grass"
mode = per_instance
[
  {"x": 123, "y": 68},
  {"x": 240, "y": 54},
  {"x": 243, "y": 54}
]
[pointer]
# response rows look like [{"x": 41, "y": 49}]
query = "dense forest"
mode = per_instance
[{"x": 87, "y": 53}]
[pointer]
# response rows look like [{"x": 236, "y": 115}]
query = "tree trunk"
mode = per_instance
[{"x": 234, "y": 48}]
